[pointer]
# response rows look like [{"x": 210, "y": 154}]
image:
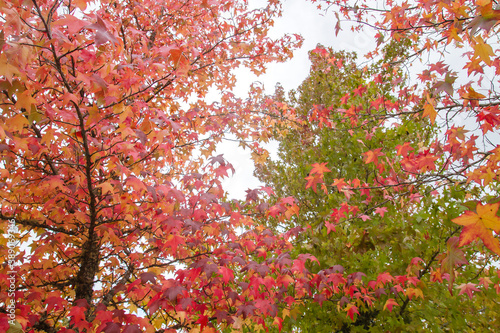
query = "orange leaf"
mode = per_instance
[
  {"x": 319, "y": 168},
  {"x": 483, "y": 2},
  {"x": 483, "y": 51},
  {"x": 372, "y": 155},
  {"x": 429, "y": 110},
  {"x": 17, "y": 123},
  {"x": 472, "y": 94},
  {"x": 25, "y": 101},
  {"x": 389, "y": 304},
  {"x": 8, "y": 70},
  {"x": 479, "y": 225},
  {"x": 106, "y": 188}
]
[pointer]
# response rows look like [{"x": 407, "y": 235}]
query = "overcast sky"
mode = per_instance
[{"x": 301, "y": 17}]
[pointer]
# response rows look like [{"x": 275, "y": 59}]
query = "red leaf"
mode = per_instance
[
  {"x": 467, "y": 288},
  {"x": 351, "y": 310},
  {"x": 102, "y": 35},
  {"x": 389, "y": 304},
  {"x": 132, "y": 329}
]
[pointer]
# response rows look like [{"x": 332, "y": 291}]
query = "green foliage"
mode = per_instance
[{"x": 383, "y": 228}]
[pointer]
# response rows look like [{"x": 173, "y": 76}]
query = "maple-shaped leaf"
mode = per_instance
[
  {"x": 390, "y": 303},
  {"x": 429, "y": 110},
  {"x": 148, "y": 276},
  {"x": 132, "y": 329},
  {"x": 15, "y": 327},
  {"x": 278, "y": 322},
  {"x": 414, "y": 292},
  {"x": 474, "y": 66},
  {"x": 404, "y": 149},
  {"x": 360, "y": 90},
  {"x": 319, "y": 168},
  {"x": 381, "y": 211},
  {"x": 384, "y": 278},
  {"x": 446, "y": 85},
  {"x": 340, "y": 183},
  {"x": 329, "y": 227},
  {"x": 480, "y": 224},
  {"x": 217, "y": 159},
  {"x": 483, "y": 51},
  {"x": 453, "y": 257},
  {"x": 102, "y": 35},
  {"x": 72, "y": 23},
  {"x": 78, "y": 313},
  {"x": 482, "y": 22},
  {"x": 313, "y": 180},
  {"x": 246, "y": 309},
  {"x": 351, "y": 309},
  {"x": 485, "y": 282},
  {"x": 54, "y": 303},
  {"x": 373, "y": 155},
  {"x": 471, "y": 94},
  {"x": 467, "y": 288},
  {"x": 172, "y": 292},
  {"x": 112, "y": 328}
]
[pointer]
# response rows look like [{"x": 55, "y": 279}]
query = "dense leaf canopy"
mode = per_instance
[
  {"x": 358, "y": 227},
  {"x": 111, "y": 202}
]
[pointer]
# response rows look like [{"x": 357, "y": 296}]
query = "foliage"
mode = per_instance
[
  {"x": 107, "y": 166},
  {"x": 354, "y": 225},
  {"x": 109, "y": 182},
  {"x": 464, "y": 106},
  {"x": 457, "y": 95}
]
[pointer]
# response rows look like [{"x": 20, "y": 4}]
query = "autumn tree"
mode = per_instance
[
  {"x": 107, "y": 167},
  {"x": 366, "y": 230}
]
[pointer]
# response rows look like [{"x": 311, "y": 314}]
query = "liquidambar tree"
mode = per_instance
[
  {"x": 106, "y": 168},
  {"x": 367, "y": 229}
]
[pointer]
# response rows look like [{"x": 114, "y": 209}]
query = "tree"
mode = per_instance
[
  {"x": 107, "y": 168},
  {"x": 462, "y": 101},
  {"x": 362, "y": 230}
]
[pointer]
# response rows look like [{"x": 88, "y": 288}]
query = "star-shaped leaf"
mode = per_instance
[{"x": 480, "y": 225}]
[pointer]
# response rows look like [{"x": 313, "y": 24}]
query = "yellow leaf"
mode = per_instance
[
  {"x": 414, "y": 292},
  {"x": 16, "y": 328},
  {"x": 453, "y": 34},
  {"x": 17, "y": 123},
  {"x": 429, "y": 110},
  {"x": 483, "y": 2},
  {"x": 480, "y": 225},
  {"x": 483, "y": 51}
]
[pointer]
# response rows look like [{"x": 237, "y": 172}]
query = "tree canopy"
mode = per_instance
[
  {"x": 112, "y": 208},
  {"x": 362, "y": 229}
]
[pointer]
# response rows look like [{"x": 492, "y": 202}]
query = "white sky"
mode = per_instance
[{"x": 316, "y": 27}]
